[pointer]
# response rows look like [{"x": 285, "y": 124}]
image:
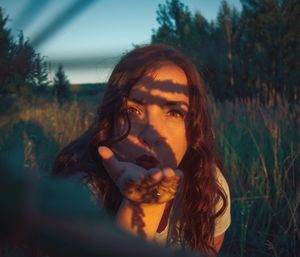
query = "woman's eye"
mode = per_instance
[
  {"x": 176, "y": 114},
  {"x": 134, "y": 111}
]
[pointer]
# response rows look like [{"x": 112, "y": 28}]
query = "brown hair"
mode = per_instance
[{"x": 194, "y": 221}]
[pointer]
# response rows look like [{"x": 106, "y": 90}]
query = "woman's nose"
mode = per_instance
[{"x": 151, "y": 133}]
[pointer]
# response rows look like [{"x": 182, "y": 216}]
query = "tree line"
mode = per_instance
[
  {"x": 23, "y": 71},
  {"x": 252, "y": 53}
]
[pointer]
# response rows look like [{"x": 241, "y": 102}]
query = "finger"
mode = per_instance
[
  {"x": 171, "y": 173},
  {"x": 129, "y": 181},
  {"x": 171, "y": 178},
  {"x": 153, "y": 176},
  {"x": 179, "y": 173},
  {"x": 110, "y": 162},
  {"x": 168, "y": 173}
]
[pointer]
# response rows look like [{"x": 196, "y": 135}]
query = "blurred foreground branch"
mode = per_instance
[{"x": 59, "y": 218}]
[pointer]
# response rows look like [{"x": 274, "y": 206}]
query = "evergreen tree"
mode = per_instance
[
  {"x": 290, "y": 50},
  {"x": 225, "y": 35},
  {"x": 175, "y": 24},
  {"x": 226, "y": 26},
  {"x": 22, "y": 70},
  {"x": 5, "y": 53},
  {"x": 61, "y": 83},
  {"x": 254, "y": 53},
  {"x": 22, "y": 66},
  {"x": 271, "y": 46},
  {"x": 39, "y": 77}
]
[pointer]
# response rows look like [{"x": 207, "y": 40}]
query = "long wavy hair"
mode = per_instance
[{"x": 193, "y": 219}]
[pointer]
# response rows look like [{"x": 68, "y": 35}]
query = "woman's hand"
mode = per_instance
[{"x": 138, "y": 184}]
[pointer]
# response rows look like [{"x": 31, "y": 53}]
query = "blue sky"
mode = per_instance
[{"x": 100, "y": 30}]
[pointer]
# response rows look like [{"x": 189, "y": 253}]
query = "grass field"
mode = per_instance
[{"x": 259, "y": 146}]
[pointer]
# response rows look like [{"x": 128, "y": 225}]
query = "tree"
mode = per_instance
[
  {"x": 22, "y": 66},
  {"x": 180, "y": 28},
  {"x": 290, "y": 39},
  {"x": 5, "y": 53},
  {"x": 39, "y": 77},
  {"x": 226, "y": 25},
  {"x": 175, "y": 24},
  {"x": 22, "y": 70},
  {"x": 271, "y": 47},
  {"x": 61, "y": 83},
  {"x": 248, "y": 54},
  {"x": 221, "y": 57}
]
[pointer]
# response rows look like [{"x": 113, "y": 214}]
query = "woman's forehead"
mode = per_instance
[
  {"x": 167, "y": 83},
  {"x": 169, "y": 71},
  {"x": 166, "y": 73}
]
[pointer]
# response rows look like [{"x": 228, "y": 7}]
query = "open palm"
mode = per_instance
[{"x": 138, "y": 184}]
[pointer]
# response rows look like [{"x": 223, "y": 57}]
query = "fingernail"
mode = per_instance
[
  {"x": 104, "y": 152},
  {"x": 168, "y": 172},
  {"x": 157, "y": 175}
]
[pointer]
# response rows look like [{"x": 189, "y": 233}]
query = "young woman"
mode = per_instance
[{"x": 149, "y": 156}]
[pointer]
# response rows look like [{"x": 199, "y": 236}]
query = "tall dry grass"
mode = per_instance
[
  {"x": 260, "y": 150},
  {"x": 35, "y": 131},
  {"x": 259, "y": 146}
]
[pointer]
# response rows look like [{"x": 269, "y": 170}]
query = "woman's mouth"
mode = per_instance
[{"x": 146, "y": 161}]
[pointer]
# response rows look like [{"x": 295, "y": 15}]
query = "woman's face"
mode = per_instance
[{"x": 157, "y": 108}]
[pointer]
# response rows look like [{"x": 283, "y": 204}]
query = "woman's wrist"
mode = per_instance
[
  {"x": 144, "y": 204},
  {"x": 140, "y": 219}
]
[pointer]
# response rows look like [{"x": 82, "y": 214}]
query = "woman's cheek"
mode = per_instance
[{"x": 177, "y": 140}]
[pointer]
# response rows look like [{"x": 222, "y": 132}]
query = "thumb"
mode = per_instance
[
  {"x": 105, "y": 152},
  {"x": 113, "y": 166}
]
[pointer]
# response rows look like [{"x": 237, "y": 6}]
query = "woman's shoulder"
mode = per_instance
[
  {"x": 223, "y": 221},
  {"x": 220, "y": 178}
]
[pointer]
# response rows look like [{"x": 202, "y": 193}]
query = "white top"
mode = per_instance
[{"x": 222, "y": 222}]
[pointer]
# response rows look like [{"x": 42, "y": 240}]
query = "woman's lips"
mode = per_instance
[{"x": 146, "y": 161}]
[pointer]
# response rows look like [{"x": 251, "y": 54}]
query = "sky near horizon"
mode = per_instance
[{"x": 89, "y": 36}]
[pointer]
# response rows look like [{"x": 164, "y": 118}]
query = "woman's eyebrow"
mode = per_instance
[
  {"x": 137, "y": 101},
  {"x": 167, "y": 103},
  {"x": 176, "y": 103}
]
